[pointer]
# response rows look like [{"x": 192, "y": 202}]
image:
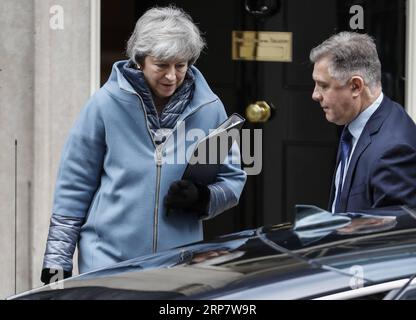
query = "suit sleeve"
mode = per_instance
[{"x": 394, "y": 177}]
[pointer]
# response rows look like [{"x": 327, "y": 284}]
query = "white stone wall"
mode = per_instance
[
  {"x": 44, "y": 82},
  {"x": 410, "y": 89},
  {"x": 16, "y": 124}
]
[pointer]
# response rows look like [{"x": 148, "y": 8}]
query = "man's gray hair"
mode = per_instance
[
  {"x": 166, "y": 33},
  {"x": 350, "y": 54}
]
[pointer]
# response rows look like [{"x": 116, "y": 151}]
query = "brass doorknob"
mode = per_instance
[{"x": 258, "y": 112}]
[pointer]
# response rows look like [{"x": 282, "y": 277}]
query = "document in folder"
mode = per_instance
[{"x": 211, "y": 151}]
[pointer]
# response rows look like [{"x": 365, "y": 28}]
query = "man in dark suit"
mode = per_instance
[{"x": 376, "y": 161}]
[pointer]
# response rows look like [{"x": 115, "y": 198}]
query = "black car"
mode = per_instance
[{"x": 319, "y": 256}]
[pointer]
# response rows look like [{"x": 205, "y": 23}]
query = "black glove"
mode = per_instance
[
  {"x": 188, "y": 196},
  {"x": 48, "y": 273}
]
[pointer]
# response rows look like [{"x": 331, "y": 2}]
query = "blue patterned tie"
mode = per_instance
[{"x": 346, "y": 145}]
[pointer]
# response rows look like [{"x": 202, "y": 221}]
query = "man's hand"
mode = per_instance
[{"x": 189, "y": 196}]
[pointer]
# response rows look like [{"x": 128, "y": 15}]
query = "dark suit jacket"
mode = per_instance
[{"x": 382, "y": 169}]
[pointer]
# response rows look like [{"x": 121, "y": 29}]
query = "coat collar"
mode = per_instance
[{"x": 202, "y": 94}]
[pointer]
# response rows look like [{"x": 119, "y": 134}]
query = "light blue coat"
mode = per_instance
[{"x": 112, "y": 177}]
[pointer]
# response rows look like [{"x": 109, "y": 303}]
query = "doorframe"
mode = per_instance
[
  {"x": 410, "y": 73},
  {"x": 95, "y": 45}
]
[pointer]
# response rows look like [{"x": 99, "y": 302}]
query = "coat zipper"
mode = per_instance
[
  {"x": 158, "y": 171},
  {"x": 156, "y": 215},
  {"x": 159, "y": 161},
  {"x": 158, "y": 149}
]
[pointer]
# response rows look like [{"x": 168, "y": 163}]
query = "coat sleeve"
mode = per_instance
[
  {"x": 62, "y": 239},
  {"x": 393, "y": 180},
  {"x": 226, "y": 191},
  {"x": 81, "y": 164},
  {"x": 77, "y": 181}
]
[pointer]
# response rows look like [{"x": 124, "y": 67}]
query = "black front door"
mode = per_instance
[{"x": 298, "y": 144}]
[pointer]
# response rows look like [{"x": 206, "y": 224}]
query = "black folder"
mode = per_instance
[{"x": 211, "y": 151}]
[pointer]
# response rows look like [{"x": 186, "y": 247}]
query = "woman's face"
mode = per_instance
[{"x": 163, "y": 77}]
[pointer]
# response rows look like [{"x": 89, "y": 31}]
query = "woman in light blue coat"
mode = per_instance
[{"x": 121, "y": 167}]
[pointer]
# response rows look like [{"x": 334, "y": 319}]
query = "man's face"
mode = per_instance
[
  {"x": 164, "y": 77},
  {"x": 336, "y": 99}
]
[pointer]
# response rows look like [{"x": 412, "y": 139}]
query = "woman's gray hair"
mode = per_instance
[
  {"x": 166, "y": 33},
  {"x": 350, "y": 54}
]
